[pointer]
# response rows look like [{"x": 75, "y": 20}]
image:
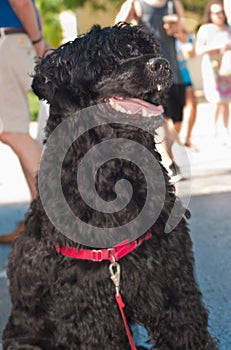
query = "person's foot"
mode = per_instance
[
  {"x": 9, "y": 238},
  {"x": 175, "y": 173},
  {"x": 226, "y": 140},
  {"x": 191, "y": 146}
]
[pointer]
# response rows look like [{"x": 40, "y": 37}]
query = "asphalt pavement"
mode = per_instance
[{"x": 206, "y": 191}]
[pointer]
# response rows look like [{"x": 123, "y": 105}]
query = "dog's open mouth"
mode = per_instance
[{"x": 135, "y": 106}]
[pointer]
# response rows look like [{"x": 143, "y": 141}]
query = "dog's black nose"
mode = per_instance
[{"x": 158, "y": 64}]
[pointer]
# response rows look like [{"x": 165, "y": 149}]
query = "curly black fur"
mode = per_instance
[{"x": 67, "y": 304}]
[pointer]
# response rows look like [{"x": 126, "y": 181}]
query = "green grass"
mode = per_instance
[{"x": 33, "y": 106}]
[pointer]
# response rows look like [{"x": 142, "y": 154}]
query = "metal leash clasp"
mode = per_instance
[{"x": 114, "y": 270}]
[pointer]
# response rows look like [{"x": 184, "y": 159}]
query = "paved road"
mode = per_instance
[{"x": 207, "y": 193}]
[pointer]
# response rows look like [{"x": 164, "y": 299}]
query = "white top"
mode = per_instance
[{"x": 210, "y": 37}]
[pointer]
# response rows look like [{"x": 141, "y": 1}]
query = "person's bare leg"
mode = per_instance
[
  {"x": 28, "y": 152},
  {"x": 217, "y": 114},
  {"x": 226, "y": 116},
  {"x": 177, "y": 126},
  {"x": 191, "y": 103},
  {"x": 171, "y": 135}
]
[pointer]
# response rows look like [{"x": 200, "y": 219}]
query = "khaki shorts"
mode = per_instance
[{"x": 17, "y": 59}]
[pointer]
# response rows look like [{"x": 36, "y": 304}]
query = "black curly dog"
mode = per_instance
[{"x": 66, "y": 303}]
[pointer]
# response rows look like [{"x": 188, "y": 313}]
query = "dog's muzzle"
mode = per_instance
[{"x": 160, "y": 70}]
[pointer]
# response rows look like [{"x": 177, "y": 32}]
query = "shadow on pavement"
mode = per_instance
[
  {"x": 211, "y": 235},
  {"x": 10, "y": 215}
]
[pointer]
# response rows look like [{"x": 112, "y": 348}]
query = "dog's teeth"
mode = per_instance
[
  {"x": 144, "y": 112},
  {"x": 122, "y": 110},
  {"x": 112, "y": 104},
  {"x": 158, "y": 87},
  {"x": 116, "y": 107},
  {"x": 129, "y": 112}
]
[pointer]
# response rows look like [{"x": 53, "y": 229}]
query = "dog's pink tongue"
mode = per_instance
[{"x": 137, "y": 106}]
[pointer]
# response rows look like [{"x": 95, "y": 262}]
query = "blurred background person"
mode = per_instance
[
  {"x": 213, "y": 42},
  {"x": 164, "y": 18},
  {"x": 227, "y": 8},
  {"x": 21, "y": 40},
  {"x": 185, "y": 51}
]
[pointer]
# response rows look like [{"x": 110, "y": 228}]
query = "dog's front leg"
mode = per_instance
[
  {"x": 169, "y": 302},
  {"x": 26, "y": 343},
  {"x": 18, "y": 337},
  {"x": 24, "y": 331},
  {"x": 183, "y": 323}
]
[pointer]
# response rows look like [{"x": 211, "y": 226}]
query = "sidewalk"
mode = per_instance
[
  {"x": 207, "y": 193},
  {"x": 213, "y": 159}
]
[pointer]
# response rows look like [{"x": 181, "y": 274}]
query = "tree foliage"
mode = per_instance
[
  {"x": 56, "y": 6},
  {"x": 50, "y": 10},
  {"x": 195, "y": 6}
]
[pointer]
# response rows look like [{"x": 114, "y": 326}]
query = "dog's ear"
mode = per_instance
[
  {"x": 41, "y": 84},
  {"x": 51, "y": 77}
]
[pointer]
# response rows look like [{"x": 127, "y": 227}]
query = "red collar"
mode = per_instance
[{"x": 111, "y": 254}]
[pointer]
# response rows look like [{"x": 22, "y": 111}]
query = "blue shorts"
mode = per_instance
[{"x": 141, "y": 337}]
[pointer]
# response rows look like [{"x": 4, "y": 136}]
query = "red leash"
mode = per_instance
[
  {"x": 114, "y": 269},
  {"x": 121, "y": 306}
]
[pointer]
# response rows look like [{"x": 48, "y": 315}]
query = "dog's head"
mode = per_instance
[
  {"x": 122, "y": 60},
  {"x": 121, "y": 65}
]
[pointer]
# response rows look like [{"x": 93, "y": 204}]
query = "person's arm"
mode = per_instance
[
  {"x": 178, "y": 28},
  {"x": 130, "y": 12},
  {"x": 179, "y": 9},
  {"x": 188, "y": 48},
  {"x": 182, "y": 34},
  {"x": 26, "y": 12},
  {"x": 201, "y": 40},
  {"x": 227, "y": 8}
]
